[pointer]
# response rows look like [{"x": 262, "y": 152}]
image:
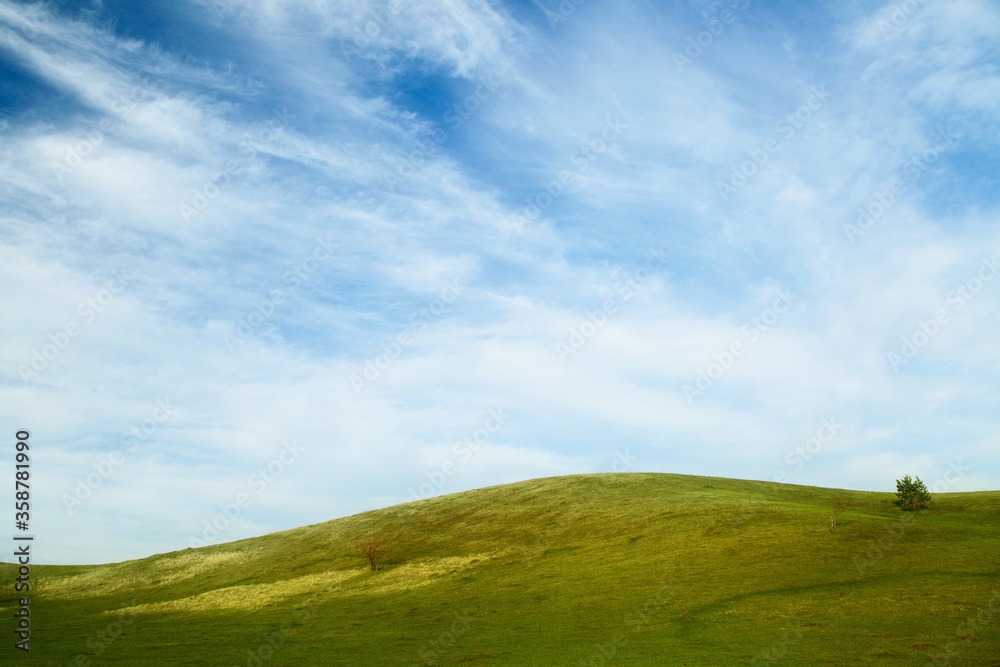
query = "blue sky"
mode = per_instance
[{"x": 272, "y": 263}]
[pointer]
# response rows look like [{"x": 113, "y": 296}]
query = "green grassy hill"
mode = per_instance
[{"x": 609, "y": 569}]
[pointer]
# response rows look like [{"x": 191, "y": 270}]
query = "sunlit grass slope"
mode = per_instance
[{"x": 610, "y": 569}]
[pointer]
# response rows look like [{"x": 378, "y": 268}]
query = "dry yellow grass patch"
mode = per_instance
[
  {"x": 135, "y": 577},
  {"x": 420, "y": 573},
  {"x": 335, "y": 583},
  {"x": 249, "y": 597}
]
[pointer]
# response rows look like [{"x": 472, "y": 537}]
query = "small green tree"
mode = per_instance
[{"x": 911, "y": 494}]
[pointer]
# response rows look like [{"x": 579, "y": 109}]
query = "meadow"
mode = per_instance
[{"x": 614, "y": 569}]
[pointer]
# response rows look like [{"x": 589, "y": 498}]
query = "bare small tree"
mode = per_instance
[
  {"x": 840, "y": 507},
  {"x": 372, "y": 549}
]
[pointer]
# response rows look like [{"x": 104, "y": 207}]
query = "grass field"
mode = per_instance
[{"x": 609, "y": 569}]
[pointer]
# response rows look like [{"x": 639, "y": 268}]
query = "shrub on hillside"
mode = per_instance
[
  {"x": 372, "y": 549},
  {"x": 911, "y": 494}
]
